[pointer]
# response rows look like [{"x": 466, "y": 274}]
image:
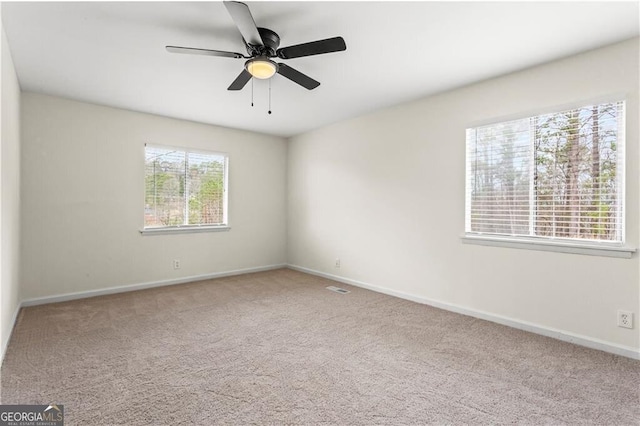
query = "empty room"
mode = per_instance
[{"x": 314, "y": 212}]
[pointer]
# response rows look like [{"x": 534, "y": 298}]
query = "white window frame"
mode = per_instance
[
  {"x": 561, "y": 245},
  {"x": 175, "y": 229}
]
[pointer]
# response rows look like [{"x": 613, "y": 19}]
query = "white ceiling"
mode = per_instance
[{"x": 112, "y": 53}]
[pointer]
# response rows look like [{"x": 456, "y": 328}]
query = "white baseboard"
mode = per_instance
[
  {"x": 133, "y": 287},
  {"x": 565, "y": 336},
  {"x": 5, "y": 343}
]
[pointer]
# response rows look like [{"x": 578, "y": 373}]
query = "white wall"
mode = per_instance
[
  {"x": 83, "y": 199},
  {"x": 385, "y": 193},
  {"x": 9, "y": 194}
]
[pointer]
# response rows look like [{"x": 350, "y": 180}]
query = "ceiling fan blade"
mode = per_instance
[
  {"x": 240, "y": 81},
  {"x": 335, "y": 44},
  {"x": 243, "y": 19},
  {"x": 206, "y": 52},
  {"x": 297, "y": 77}
]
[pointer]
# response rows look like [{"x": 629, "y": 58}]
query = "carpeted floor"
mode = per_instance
[{"x": 278, "y": 348}]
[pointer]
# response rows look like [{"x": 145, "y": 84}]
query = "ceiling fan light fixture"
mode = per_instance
[{"x": 261, "y": 68}]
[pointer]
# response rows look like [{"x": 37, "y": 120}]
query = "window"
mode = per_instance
[
  {"x": 184, "y": 188},
  {"x": 553, "y": 176}
]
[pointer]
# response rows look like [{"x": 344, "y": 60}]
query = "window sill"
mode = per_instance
[
  {"x": 591, "y": 249},
  {"x": 184, "y": 229}
]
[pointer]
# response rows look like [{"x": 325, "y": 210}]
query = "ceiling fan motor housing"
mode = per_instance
[{"x": 271, "y": 42}]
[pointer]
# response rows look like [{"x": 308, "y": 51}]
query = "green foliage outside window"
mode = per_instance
[{"x": 183, "y": 188}]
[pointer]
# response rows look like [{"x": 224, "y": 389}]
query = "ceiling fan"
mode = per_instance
[{"x": 262, "y": 45}]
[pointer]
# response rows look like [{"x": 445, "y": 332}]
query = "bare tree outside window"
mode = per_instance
[{"x": 554, "y": 175}]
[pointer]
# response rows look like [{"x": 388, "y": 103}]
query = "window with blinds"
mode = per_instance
[
  {"x": 554, "y": 176},
  {"x": 184, "y": 188}
]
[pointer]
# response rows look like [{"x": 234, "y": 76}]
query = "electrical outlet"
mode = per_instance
[
  {"x": 176, "y": 263},
  {"x": 625, "y": 319},
  {"x": 337, "y": 263}
]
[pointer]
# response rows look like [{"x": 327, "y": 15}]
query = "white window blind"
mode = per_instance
[
  {"x": 554, "y": 176},
  {"x": 184, "y": 188}
]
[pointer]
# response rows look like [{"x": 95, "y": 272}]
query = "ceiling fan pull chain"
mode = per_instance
[
  {"x": 269, "y": 96},
  {"x": 252, "y": 91}
]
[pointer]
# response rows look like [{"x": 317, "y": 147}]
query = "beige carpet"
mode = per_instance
[{"x": 278, "y": 348}]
